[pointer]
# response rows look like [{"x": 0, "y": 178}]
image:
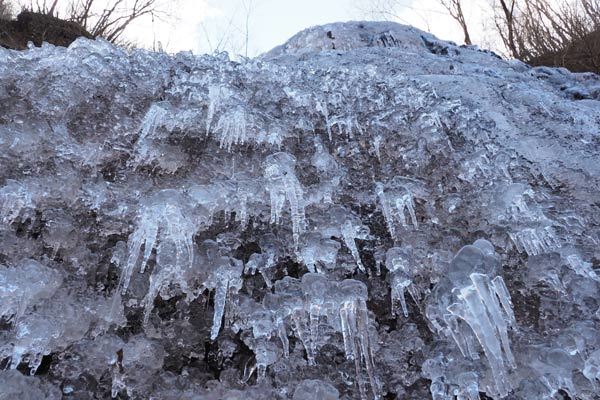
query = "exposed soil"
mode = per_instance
[{"x": 39, "y": 28}]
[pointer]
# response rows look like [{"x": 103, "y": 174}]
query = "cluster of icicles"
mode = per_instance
[
  {"x": 480, "y": 306},
  {"x": 472, "y": 303}
]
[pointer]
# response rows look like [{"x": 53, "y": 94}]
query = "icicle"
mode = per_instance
[
  {"x": 346, "y": 332},
  {"x": 399, "y": 284},
  {"x": 514, "y": 199},
  {"x": 285, "y": 343},
  {"x": 481, "y": 311},
  {"x": 220, "y": 301},
  {"x": 483, "y": 328},
  {"x": 354, "y": 322},
  {"x": 242, "y": 214},
  {"x": 316, "y": 251},
  {"x": 365, "y": 345},
  {"x": 283, "y": 185},
  {"x": 582, "y": 268},
  {"x": 535, "y": 241},
  {"x": 165, "y": 209},
  {"x": 288, "y": 302},
  {"x": 463, "y": 338},
  {"x": 258, "y": 262},
  {"x": 377, "y": 141},
  {"x": 387, "y": 211},
  {"x": 395, "y": 203},
  {"x": 144, "y": 233},
  {"x": 345, "y": 125},
  {"x": 343, "y": 223},
  {"x": 216, "y": 95},
  {"x": 315, "y": 288},
  {"x": 406, "y": 203},
  {"x": 349, "y": 234},
  {"x": 233, "y": 128},
  {"x": 298, "y": 321},
  {"x": 265, "y": 262},
  {"x": 322, "y": 108},
  {"x": 118, "y": 375},
  {"x": 398, "y": 264},
  {"x": 328, "y": 169},
  {"x": 478, "y": 165},
  {"x": 314, "y": 313},
  {"x": 225, "y": 277},
  {"x": 483, "y": 285},
  {"x": 501, "y": 292},
  {"x": 344, "y": 306},
  {"x": 265, "y": 356},
  {"x": 144, "y": 150},
  {"x": 151, "y": 121},
  {"x": 503, "y": 160}
]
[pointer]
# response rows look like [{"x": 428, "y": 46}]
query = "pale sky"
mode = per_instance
[{"x": 203, "y": 26}]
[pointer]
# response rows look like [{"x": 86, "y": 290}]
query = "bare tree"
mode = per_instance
[
  {"x": 505, "y": 22},
  {"x": 233, "y": 35},
  {"x": 107, "y": 19},
  {"x": 455, "y": 9},
  {"x": 113, "y": 19},
  {"x": 248, "y": 8},
  {"x": 562, "y": 33},
  {"x": 6, "y": 9},
  {"x": 43, "y": 6}
]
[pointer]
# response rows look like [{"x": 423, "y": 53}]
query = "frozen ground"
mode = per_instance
[{"x": 363, "y": 212}]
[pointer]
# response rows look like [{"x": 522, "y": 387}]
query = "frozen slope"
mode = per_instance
[{"x": 363, "y": 212}]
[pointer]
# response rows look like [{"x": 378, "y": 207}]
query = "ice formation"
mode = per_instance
[
  {"x": 339, "y": 222},
  {"x": 25, "y": 285},
  {"x": 484, "y": 305},
  {"x": 397, "y": 263},
  {"x": 398, "y": 207},
  {"x": 15, "y": 198},
  {"x": 224, "y": 277},
  {"x": 298, "y": 225},
  {"x": 282, "y": 184}
]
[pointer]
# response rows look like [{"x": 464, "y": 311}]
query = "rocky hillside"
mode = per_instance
[{"x": 365, "y": 212}]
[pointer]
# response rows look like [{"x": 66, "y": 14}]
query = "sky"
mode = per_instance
[{"x": 204, "y": 26}]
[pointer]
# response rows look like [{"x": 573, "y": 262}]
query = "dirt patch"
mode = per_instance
[{"x": 39, "y": 28}]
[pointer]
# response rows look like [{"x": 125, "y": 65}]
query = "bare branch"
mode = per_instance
[
  {"x": 454, "y": 8},
  {"x": 107, "y": 19}
]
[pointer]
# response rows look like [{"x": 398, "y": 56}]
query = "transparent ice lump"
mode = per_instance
[
  {"x": 397, "y": 262},
  {"x": 25, "y": 285},
  {"x": 283, "y": 186},
  {"x": 477, "y": 308},
  {"x": 398, "y": 207},
  {"x": 224, "y": 277}
]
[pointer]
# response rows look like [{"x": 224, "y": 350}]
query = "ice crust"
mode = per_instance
[{"x": 364, "y": 212}]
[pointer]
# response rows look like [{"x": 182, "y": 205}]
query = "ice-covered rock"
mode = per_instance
[{"x": 141, "y": 193}]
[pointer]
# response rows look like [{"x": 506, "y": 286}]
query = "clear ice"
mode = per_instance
[
  {"x": 398, "y": 207},
  {"x": 224, "y": 277},
  {"x": 283, "y": 185},
  {"x": 272, "y": 204},
  {"x": 484, "y": 304},
  {"x": 162, "y": 225}
]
